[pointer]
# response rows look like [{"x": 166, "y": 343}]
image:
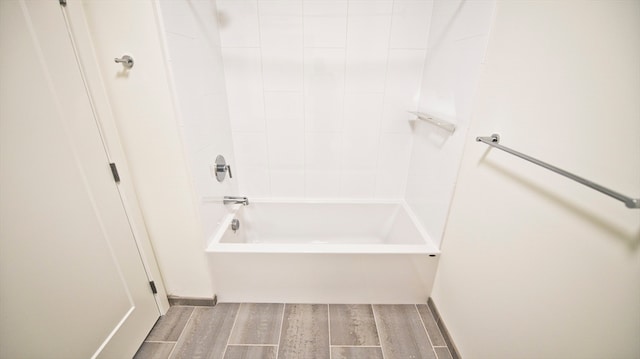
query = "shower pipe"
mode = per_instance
[{"x": 494, "y": 141}]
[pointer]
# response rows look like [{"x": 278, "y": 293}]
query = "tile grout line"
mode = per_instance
[
  {"x": 186, "y": 325},
  {"x": 284, "y": 307},
  {"x": 341, "y": 164},
  {"x": 235, "y": 320},
  {"x": 251, "y": 345},
  {"x": 264, "y": 98},
  {"x": 425, "y": 329},
  {"x": 329, "y": 327},
  {"x": 304, "y": 117},
  {"x": 384, "y": 96},
  {"x": 159, "y": 341},
  {"x": 375, "y": 321},
  {"x": 356, "y": 346}
]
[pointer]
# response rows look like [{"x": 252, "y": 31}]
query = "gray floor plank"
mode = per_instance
[
  {"x": 154, "y": 351},
  {"x": 431, "y": 325},
  {"x": 257, "y": 324},
  {"x": 356, "y": 353},
  {"x": 352, "y": 324},
  {"x": 305, "y": 332},
  {"x": 402, "y": 334},
  {"x": 443, "y": 353},
  {"x": 250, "y": 352},
  {"x": 170, "y": 325},
  {"x": 207, "y": 333}
]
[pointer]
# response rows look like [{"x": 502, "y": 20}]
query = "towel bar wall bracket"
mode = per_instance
[{"x": 494, "y": 141}]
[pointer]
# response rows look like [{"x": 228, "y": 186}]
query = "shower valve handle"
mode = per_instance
[{"x": 221, "y": 168}]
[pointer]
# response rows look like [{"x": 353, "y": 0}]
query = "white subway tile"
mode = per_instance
[
  {"x": 362, "y": 112},
  {"x": 410, "y": 24},
  {"x": 395, "y": 115},
  {"x": 282, "y": 124},
  {"x": 287, "y": 105},
  {"x": 287, "y": 183},
  {"x": 368, "y": 31},
  {"x": 325, "y": 7},
  {"x": 323, "y": 112},
  {"x": 389, "y": 185},
  {"x": 404, "y": 76},
  {"x": 281, "y": 23},
  {"x": 325, "y": 23},
  {"x": 450, "y": 77},
  {"x": 250, "y": 149},
  {"x": 238, "y": 23},
  {"x": 324, "y": 89},
  {"x": 286, "y": 150},
  {"x": 322, "y": 184},
  {"x": 472, "y": 18},
  {"x": 243, "y": 78},
  {"x": 365, "y": 70},
  {"x": 323, "y": 151},
  {"x": 370, "y": 7},
  {"x": 255, "y": 182},
  {"x": 358, "y": 184},
  {"x": 282, "y": 69},
  {"x": 360, "y": 151},
  {"x": 404, "y": 73},
  {"x": 394, "y": 152}
]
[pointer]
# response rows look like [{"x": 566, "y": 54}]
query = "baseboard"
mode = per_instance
[
  {"x": 443, "y": 329},
  {"x": 196, "y": 302}
]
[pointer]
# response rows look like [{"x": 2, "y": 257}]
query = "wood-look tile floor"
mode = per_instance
[{"x": 296, "y": 331}]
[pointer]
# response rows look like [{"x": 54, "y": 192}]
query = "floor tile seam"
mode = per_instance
[
  {"x": 252, "y": 345},
  {"x": 375, "y": 320},
  {"x": 356, "y": 346},
  {"x": 235, "y": 319},
  {"x": 284, "y": 310},
  {"x": 329, "y": 327},
  {"x": 184, "y": 329},
  {"x": 425, "y": 328},
  {"x": 160, "y": 341}
]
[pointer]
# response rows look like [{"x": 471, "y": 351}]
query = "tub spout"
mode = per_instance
[{"x": 234, "y": 200}]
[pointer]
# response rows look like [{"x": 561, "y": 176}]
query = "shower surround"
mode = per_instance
[{"x": 318, "y": 94}]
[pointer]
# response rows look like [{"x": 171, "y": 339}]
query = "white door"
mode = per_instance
[{"x": 72, "y": 283}]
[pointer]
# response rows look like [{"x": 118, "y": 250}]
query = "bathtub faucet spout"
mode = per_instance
[{"x": 235, "y": 200}]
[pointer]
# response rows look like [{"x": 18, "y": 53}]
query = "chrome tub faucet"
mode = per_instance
[{"x": 235, "y": 200}]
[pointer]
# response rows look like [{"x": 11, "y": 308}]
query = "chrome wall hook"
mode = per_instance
[{"x": 125, "y": 60}]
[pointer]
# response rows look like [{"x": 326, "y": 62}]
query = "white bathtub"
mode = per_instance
[{"x": 303, "y": 252}]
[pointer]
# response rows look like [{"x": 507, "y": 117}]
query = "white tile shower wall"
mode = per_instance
[
  {"x": 457, "y": 42},
  {"x": 318, "y": 94},
  {"x": 195, "y": 59}
]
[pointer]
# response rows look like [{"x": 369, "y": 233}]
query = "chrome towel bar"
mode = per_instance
[{"x": 494, "y": 141}]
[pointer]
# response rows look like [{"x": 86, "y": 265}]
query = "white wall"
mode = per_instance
[
  {"x": 195, "y": 61},
  {"x": 142, "y": 106},
  {"x": 457, "y": 42},
  {"x": 534, "y": 265},
  {"x": 318, "y": 93}
]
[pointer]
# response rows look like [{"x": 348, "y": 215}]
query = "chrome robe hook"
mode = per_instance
[{"x": 125, "y": 60}]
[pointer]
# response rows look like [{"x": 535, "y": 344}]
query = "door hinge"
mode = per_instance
[
  {"x": 63, "y": 2},
  {"x": 152, "y": 284},
  {"x": 114, "y": 171}
]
